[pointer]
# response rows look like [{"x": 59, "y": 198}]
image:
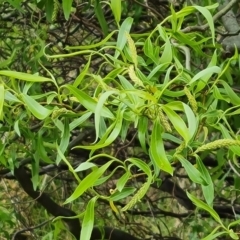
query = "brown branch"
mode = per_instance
[{"x": 53, "y": 208}]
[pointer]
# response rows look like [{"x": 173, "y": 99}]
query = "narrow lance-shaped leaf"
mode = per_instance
[
  {"x": 100, "y": 16},
  {"x": 230, "y": 93},
  {"x": 88, "y": 182},
  {"x": 142, "y": 165},
  {"x": 64, "y": 139},
  {"x": 108, "y": 139},
  {"x": 208, "y": 16},
  {"x": 122, "y": 39},
  {"x": 1, "y": 100},
  {"x": 88, "y": 220},
  {"x": 10, "y": 97},
  {"x": 192, "y": 121},
  {"x": 88, "y": 102},
  {"x": 214, "y": 235},
  {"x": 167, "y": 53},
  {"x": 70, "y": 168},
  {"x": 203, "y": 77},
  {"x": 192, "y": 172},
  {"x": 122, "y": 181},
  {"x": 142, "y": 132},
  {"x": 77, "y": 122},
  {"x": 125, "y": 192},
  {"x": 157, "y": 149},
  {"x": 67, "y": 5},
  {"x": 85, "y": 166},
  {"x": 208, "y": 190},
  {"x": 204, "y": 206},
  {"x": 25, "y": 76},
  {"x": 178, "y": 123},
  {"x": 83, "y": 73},
  {"x": 5, "y": 63},
  {"x": 100, "y": 105},
  {"x": 41, "y": 151},
  {"x": 35, "y": 108},
  {"x": 116, "y": 9}
]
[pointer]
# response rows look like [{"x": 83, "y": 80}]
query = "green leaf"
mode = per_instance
[
  {"x": 16, "y": 4},
  {"x": 41, "y": 151},
  {"x": 67, "y": 163},
  {"x": 232, "y": 234},
  {"x": 177, "y": 122},
  {"x": 100, "y": 16},
  {"x": 99, "y": 108},
  {"x": 208, "y": 190},
  {"x": 158, "y": 153},
  {"x": 230, "y": 93},
  {"x": 114, "y": 131},
  {"x": 122, "y": 38},
  {"x": 204, "y": 206},
  {"x": 157, "y": 69},
  {"x": 77, "y": 122},
  {"x": 16, "y": 128},
  {"x": 167, "y": 53},
  {"x": 192, "y": 172},
  {"x": 128, "y": 86},
  {"x": 142, "y": 94},
  {"x": 35, "y": 108},
  {"x": 214, "y": 235},
  {"x": 88, "y": 181},
  {"x": 142, "y": 165},
  {"x": 85, "y": 166},
  {"x": 25, "y": 76},
  {"x": 1, "y": 100},
  {"x": 191, "y": 119},
  {"x": 208, "y": 16},
  {"x": 67, "y": 6},
  {"x": 65, "y": 138},
  {"x": 83, "y": 73},
  {"x": 5, "y": 63},
  {"x": 203, "y": 77},
  {"x": 127, "y": 191},
  {"x": 116, "y": 9},
  {"x": 10, "y": 97},
  {"x": 5, "y": 215},
  {"x": 149, "y": 50},
  {"x": 237, "y": 222},
  {"x": 49, "y": 7},
  {"x": 88, "y": 220},
  {"x": 88, "y": 102},
  {"x": 142, "y": 132},
  {"x": 122, "y": 181}
]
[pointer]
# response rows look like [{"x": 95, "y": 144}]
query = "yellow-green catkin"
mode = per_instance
[
  {"x": 55, "y": 10},
  {"x": 58, "y": 112},
  {"x": 132, "y": 49},
  {"x": 137, "y": 197},
  {"x": 191, "y": 100},
  {"x": 134, "y": 77},
  {"x": 180, "y": 148},
  {"x": 164, "y": 121},
  {"x": 218, "y": 144}
]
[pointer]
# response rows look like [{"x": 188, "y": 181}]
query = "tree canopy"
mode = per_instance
[{"x": 119, "y": 119}]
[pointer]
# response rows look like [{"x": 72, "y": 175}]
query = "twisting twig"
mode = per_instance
[
  {"x": 14, "y": 237},
  {"x": 218, "y": 15}
]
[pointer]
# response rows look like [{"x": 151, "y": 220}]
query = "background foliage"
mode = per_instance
[{"x": 124, "y": 111}]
